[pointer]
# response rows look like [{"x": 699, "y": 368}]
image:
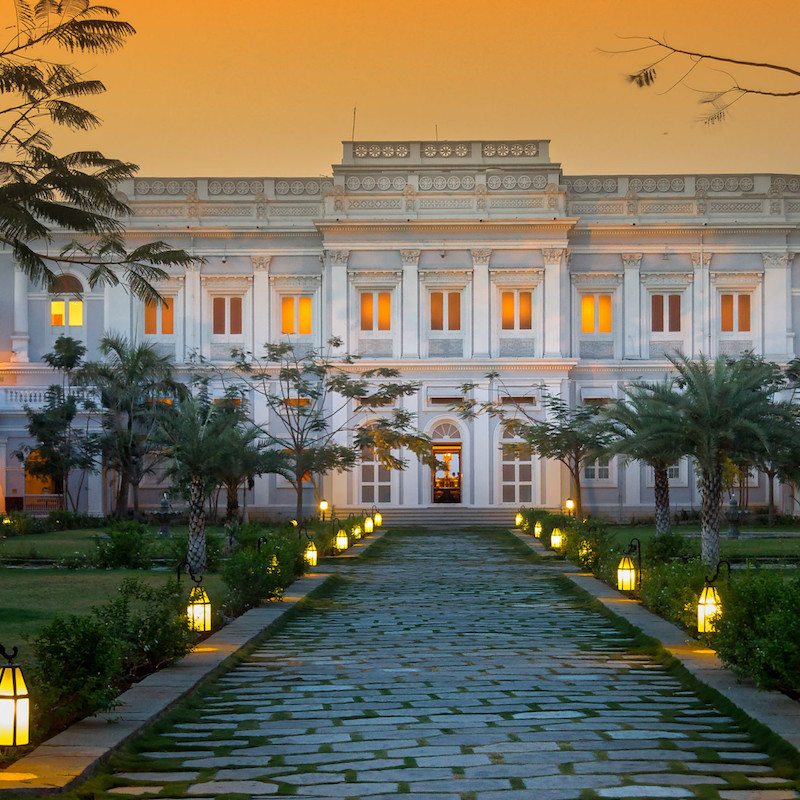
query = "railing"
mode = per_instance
[
  {"x": 40, "y": 505},
  {"x": 14, "y": 397}
]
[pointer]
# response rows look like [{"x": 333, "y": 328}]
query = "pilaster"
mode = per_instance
[
  {"x": 631, "y": 310},
  {"x": 339, "y": 319},
  {"x": 778, "y": 319},
  {"x": 481, "y": 446},
  {"x": 554, "y": 263},
  {"x": 410, "y": 304},
  {"x": 20, "y": 338},
  {"x": 481, "y": 303},
  {"x": 702, "y": 303},
  {"x": 193, "y": 316},
  {"x": 262, "y": 323}
]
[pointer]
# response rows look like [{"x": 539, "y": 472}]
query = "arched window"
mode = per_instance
[
  {"x": 66, "y": 304},
  {"x": 447, "y": 476},
  {"x": 376, "y": 479},
  {"x": 516, "y": 472}
]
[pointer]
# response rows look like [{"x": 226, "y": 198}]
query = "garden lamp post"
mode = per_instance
[
  {"x": 323, "y": 507},
  {"x": 14, "y": 703},
  {"x": 569, "y": 505},
  {"x": 377, "y": 517},
  {"x": 629, "y": 577},
  {"x": 709, "y": 606}
]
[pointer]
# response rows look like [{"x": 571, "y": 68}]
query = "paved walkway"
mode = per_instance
[{"x": 450, "y": 668}]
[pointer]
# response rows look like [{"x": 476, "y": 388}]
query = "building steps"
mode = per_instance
[{"x": 440, "y": 516}]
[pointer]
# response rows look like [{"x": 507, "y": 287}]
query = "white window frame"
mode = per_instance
[
  {"x": 501, "y": 483},
  {"x": 376, "y": 282},
  {"x": 227, "y": 286},
  {"x": 446, "y": 282},
  {"x": 677, "y": 481},
  {"x": 610, "y": 481},
  {"x": 749, "y": 283},
  {"x": 595, "y": 284},
  {"x": 296, "y": 286},
  {"x": 504, "y": 279}
]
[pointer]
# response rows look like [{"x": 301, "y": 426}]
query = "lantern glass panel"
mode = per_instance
[
  {"x": 537, "y": 530},
  {"x": 310, "y": 555},
  {"x": 199, "y": 610},
  {"x": 518, "y": 520},
  {"x": 708, "y": 609},
  {"x": 556, "y": 538},
  {"x": 14, "y": 707},
  {"x": 368, "y": 525},
  {"x": 342, "y": 542},
  {"x": 626, "y": 575},
  {"x": 378, "y": 519}
]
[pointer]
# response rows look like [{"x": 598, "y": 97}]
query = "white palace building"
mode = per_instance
[{"x": 445, "y": 260}]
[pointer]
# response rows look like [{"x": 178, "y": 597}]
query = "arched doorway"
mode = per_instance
[{"x": 447, "y": 477}]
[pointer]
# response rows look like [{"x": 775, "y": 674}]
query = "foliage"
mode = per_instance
[
  {"x": 78, "y": 660},
  {"x": 664, "y": 547},
  {"x": 711, "y": 67},
  {"x": 175, "y": 548},
  {"x": 82, "y": 662},
  {"x": 152, "y": 624},
  {"x": 252, "y": 578},
  {"x": 132, "y": 382},
  {"x": 76, "y": 192},
  {"x": 126, "y": 547},
  {"x": 758, "y": 633},
  {"x": 71, "y": 520},
  {"x": 21, "y": 524},
  {"x": 60, "y": 446},
  {"x": 671, "y": 590},
  {"x": 321, "y": 404}
]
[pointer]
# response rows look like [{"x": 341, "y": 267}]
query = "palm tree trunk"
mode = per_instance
[
  {"x": 232, "y": 502},
  {"x": 662, "y": 500},
  {"x": 711, "y": 492},
  {"x": 197, "y": 527},
  {"x": 575, "y": 471},
  {"x": 771, "y": 496},
  {"x": 299, "y": 510},
  {"x": 121, "y": 505}
]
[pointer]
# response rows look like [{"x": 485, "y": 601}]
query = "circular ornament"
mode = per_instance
[
  {"x": 732, "y": 184},
  {"x": 468, "y": 182},
  {"x": 677, "y": 184},
  {"x": 461, "y": 150},
  {"x": 649, "y": 184},
  {"x": 243, "y": 187},
  {"x": 374, "y": 151},
  {"x": 158, "y": 187},
  {"x": 425, "y": 183},
  {"x": 142, "y": 187},
  {"x": 401, "y": 150},
  {"x": 663, "y": 184},
  {"x": 173, "y": 187},
  {"x": 446, "y": 151},
  {"x": 384, "y": 183},
  {"x": 228, "y": 187},
  {"x": 312, "y": 187},
  {"x": 539, "y": 182},
  {"x": 429, "y": 150},
  {"x": 494, "y": 182},
  {"x": 531, "y": 149},
  {"x": 502, "y": 149},
  {"x": 635, "y": 184},
  {"x": 398, "y": 183},
  {"x": 579, "y": 185},
  {"x": 717, "y": 184},
  {"x": 489, "y": 150},
  {"x": 524, "y": 182},
  {"x": 609, "y": 185},
  {"x": 281, "y": 187},
  {"x": 388, "y": 151},
  {"x": 439, "y": 183},
  {"x": 360, "y": 151},
  {"x": 746, "y": 184},
  {"x": 256, "y": 187},
  {"x": 595, "y": 185},
  {"x": 509, "y": 182},
  {"x": 453, "y": 182},
  {"x": 368, "y": 183},
  {"x": 297, "y": 187},
  {"x": 516, "y": 150},
  {"x": 353, "y": 183}
]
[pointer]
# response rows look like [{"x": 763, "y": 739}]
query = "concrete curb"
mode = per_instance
[
  {"x": 774, "y": 710},
  {"x": 74, "y": 754}
]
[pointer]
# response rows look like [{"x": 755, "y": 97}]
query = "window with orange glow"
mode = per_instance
[
  {"x": 66, "y": 312},
  {"x": 596, "y": 313},
  {"x": 453, "y": 303},
  {"x": 57, "y": 313},
  {"x": 735, "y": 313},
  {"x": 159, "y": 318},
  {"x": 376, "y": 311},
  {"x": 296, "y": 315},
  {"x": 516, "y": 310}
]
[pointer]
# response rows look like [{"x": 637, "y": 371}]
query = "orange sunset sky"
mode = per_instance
[{"x": 267, "y": 87}]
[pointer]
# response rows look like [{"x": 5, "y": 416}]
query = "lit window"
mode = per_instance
[
  {"x": 596, "y": 313},
  {"x": 735, "y": 313},
  {"x": 66, "y": 312},
  {"x": 376, "y": 311},
  {"x": 296, "y": 315},
  {"x": 159, "y": 317},
  {"x": 451, "y": 321},
  {"x": 516, "y": 310},
  {"x": 227, "y": 316},
  {"x": 665, "y": 313}
]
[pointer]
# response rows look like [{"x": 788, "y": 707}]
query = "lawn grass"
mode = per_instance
[
  {"x": 61, "y": 544},
  {"x": 32, "y": 598},
  {"x": 764, "y": 545}
]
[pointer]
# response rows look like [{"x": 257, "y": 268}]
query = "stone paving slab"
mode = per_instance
[{"x": 74, "y": 753}]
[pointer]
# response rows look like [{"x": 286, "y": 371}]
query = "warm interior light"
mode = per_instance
[
  {"x": 199, "y": 610},
  {"x": 14, "y": 707},
  {"x": 369, "y": 525},
  {"x": 587, "y": 313},
  {"x": 556, "y": 538},
  {"x": 518, "y": 519},
  {"x": 604, "y": 313},
  {"x": 57, "y": 313},
  {"x": 356, "y": 532},
  {"x": 377, "y": 518},
  {"x": 569, "y": 504},
  {"x": 342, "y": 542},
  {"x": 537, "y": 530},
  {"x": 287, "y": 315},
  {"x": 304, "y": 315},
  {"x": 310, "y": 555},
  {"x": 709, "y": 608},
  {"x": 626, "y": 575}
]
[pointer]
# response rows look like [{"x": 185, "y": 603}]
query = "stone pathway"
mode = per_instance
[{"x": 450, "y": 668}]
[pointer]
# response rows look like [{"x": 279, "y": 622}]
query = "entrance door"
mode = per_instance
[{"x": 447, "y": 478}]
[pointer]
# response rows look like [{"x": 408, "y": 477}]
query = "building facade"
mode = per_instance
[{"x": 447, "y": 261}]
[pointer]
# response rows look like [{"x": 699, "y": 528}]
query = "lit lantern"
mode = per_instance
[
  {"x": 199, "y": 610},
  {"x": 323, "y": 507},
  {"x": 310, "y": 555},
  {"x": 6, "y": 520},
  {"x": 569, "y": 505},
  {"x": 628, "y": 575},
  {"x": 377, "y": 519},
  {"x": 356, "y": 532},
  {"x": 556, "y": 539},
  {"x": 369, "y": 526},
  {"x": 518, "y": 519},
  {"x": 294, "y": 523},
  {"x": 708, "y": 609},
  {"x": 14, "y": 703},
  {"x": 342, "y": 542},
  {"x": 537, "y": 530}
]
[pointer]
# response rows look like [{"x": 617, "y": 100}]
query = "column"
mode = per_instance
[
  {"x": 261, "y": 303},
  {"x": 3, "y": 476},
  {"x": 481, "y": 303},
  {"x": 702, "y": 311},
  {"x": 94, "y": 494},
  {"x": 20, "y": 338},
  {"x": 483, "y": 457},
  {"x": 410, "y": 304},
  {"x": 409, "y": 481},
  {"x": 338, "y": 287},
  {"x": 554, "y": 315},
  {"x": 193, "y": 312},
  {"x": 777, "y": 292},
  {"x": 631, "y": 312}
]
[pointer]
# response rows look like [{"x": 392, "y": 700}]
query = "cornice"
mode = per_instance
[
  {"x": 638, "y": 229},
  {"x": 442, "y": 226}
]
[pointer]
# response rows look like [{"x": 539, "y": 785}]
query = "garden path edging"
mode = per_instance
[
  {"x": 74, "y": 754},
  {"x": 773, "y": 710}
]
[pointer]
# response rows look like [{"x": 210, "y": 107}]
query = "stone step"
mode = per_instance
[{"x": 440, "y": 516}]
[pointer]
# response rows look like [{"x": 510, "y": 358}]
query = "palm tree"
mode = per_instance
[
  {"x": 643, "y": 432},
  {"x": 132, "y": 381},
  {"x": 723, "y": 410}
]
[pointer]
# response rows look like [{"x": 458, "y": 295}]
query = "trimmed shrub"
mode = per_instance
[
  {"x": 672, "y": 589},
  {"x": 758, "y": 632},
  {"x": 176, "y": 547},
  {"x": 127, "y": 547},
  {"x": 21, "y": 524},
  {"x": 665, "y": 547},
  {"x": 72, "y": 520},
  {"x": 251, "y": 578}
]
